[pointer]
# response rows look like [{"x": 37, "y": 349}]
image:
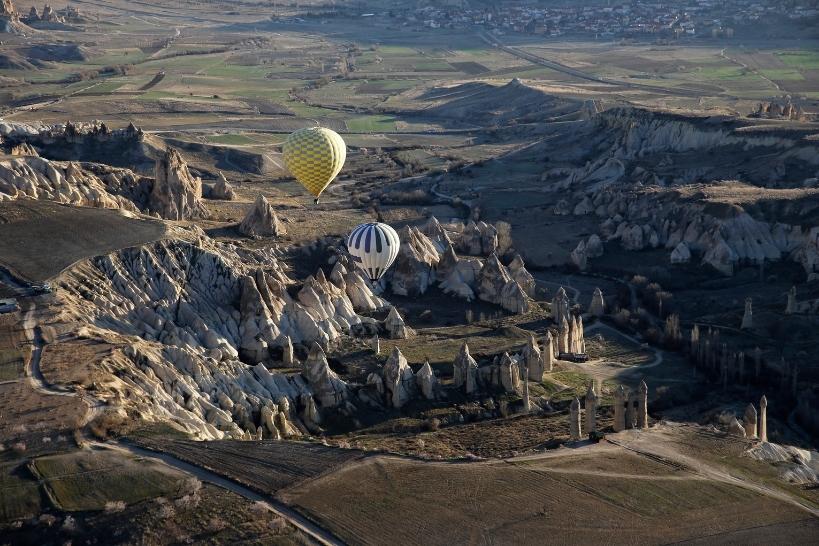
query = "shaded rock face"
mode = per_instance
[
  {"x": 7, "y": 9},
  {"x": 261, "y": 220},
  {"x": 29, "y": 176},
  {"x": 201, "y": 317},
  {"x": 428, "y": 255},
  {"x": 81, "y": 141},
  {"x": 176, "y": 194},
  {"x": 597, "y": 307},
  {"x": 327, "y": 387},
  {"x": 646, "y": 198},
  {"x": 479, "y": 239},
  {"x": 414, "y": 268},
  {"x": 395, "y": 326},
  {"x": 492, "y": 279},
  {"x": 465, "y": 371},
  {"x": 427, "y": 382},
  {"x": 509, "y": 374},
  {"x": 399, "y": 381},
  {"x": 24, "y": 149},
  {"x": 533, "y": 360}
]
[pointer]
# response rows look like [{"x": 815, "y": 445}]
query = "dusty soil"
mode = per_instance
[
  {"x": 38, "y": 239},
  {"x": 611, "y": 497},
  {"x": 266, "y": 466}
]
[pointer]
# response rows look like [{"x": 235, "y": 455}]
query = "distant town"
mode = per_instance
[{"x": 694, "y": 18}]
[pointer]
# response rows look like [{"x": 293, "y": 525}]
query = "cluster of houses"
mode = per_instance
[{"x": 669, "y": 19}]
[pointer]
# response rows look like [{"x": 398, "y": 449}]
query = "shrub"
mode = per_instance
[
  {"x": 112, "y": 507},
  {"x": 278, "y": 525},
  {"x": 216, "y": 524},
  {"x": 69, "y": 524}
]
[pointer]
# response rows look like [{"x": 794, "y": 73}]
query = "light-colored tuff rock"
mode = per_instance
[
  {"x": 548, "y": 353},
  {"x": 176, "y": 193},
  {"x": 560, "y": 306},
  {"x": 222, "y": 189},
  {"x": 619, "y": 409},
  {"x": 492, "y": 279},
  {"x": 519, "y": 273},
  {"x": 197, "y": 319},
  {"x": 414, "y": 268},
  {"x": 514, "y": 299},
  {"x": 67, "y": 182},
  {"x": 509, "y": 374},
  {"x": 261, "y": 220},
  {"x": 328, "y": 388},
  {"x": 748, "y": 316},
  {"x": 310, "y": 415},
  {"x": 681, "y": 254},
  {"x": 429, "y": 255},
  {"x": 735, "y": 428},
  {"x": 396, "y": 327},
  {"x": 288, "y": 358},
  {"x": 591, "y": 409},
  {"x": 642, "y": 405},
  {"x": 750, "y": 421},
  {"x": 763, "y": 419},
  {"x": 495, "y": 285},
  {"x": 465, "y": 371},
  {"x": 533, "y": 360},
  {"x": 358, "y": 289},
  {"x": 597, "y": 308},
  {"x": 479, "y": 239},
  {"x": 399, "y": 382},
  {"x": 585, "y": 250},
  {"x": 790, "y": 307},
  {"x": 575, "y": 430},
  {"x": 427, "y": 382},
  {"x": 24, "y": 149}
]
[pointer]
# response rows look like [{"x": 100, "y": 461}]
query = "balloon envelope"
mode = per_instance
[
  {"x": 314, "y": 156},
  {"x": 373, "y": 248}
]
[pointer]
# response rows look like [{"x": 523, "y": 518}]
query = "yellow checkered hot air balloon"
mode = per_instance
[{"x": 314, "y": 155}]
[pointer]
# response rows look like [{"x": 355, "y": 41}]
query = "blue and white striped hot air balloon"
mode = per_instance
[{"x": 373, "y": 248}]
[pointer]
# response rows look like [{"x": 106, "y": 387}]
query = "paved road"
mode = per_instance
[
  {"x": 554, "y": 65},
  {"x": 317, "y": 533},
  {"x": 95, "y": 407}
]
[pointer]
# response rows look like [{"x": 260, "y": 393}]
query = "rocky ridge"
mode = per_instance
[{"x": 197, "y": 327}]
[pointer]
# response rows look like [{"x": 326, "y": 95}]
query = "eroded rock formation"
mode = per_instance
[
  {"x": 198, "y": 320},
  {"x": 176, "y": 193},
  {"x": 261, "y": 220}
]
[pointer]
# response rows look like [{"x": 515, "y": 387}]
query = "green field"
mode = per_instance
[
  {"x": 371, "y": 124},
  {"x": 232, "y": 139},
  {"x": 805, "y": 60},
  {"x": 783, "y": 74}
]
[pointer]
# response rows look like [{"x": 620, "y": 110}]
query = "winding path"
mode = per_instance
[
  {"x": 299, "y": 521},
  {"x": 95, "y": 407}
]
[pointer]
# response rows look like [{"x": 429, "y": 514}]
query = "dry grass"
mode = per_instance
[
  {"x": 43, "y": 237},
  {"x": 409, "y": 502}
]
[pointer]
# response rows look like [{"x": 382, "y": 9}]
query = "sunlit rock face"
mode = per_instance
[{"x": 204, "y": 322}]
